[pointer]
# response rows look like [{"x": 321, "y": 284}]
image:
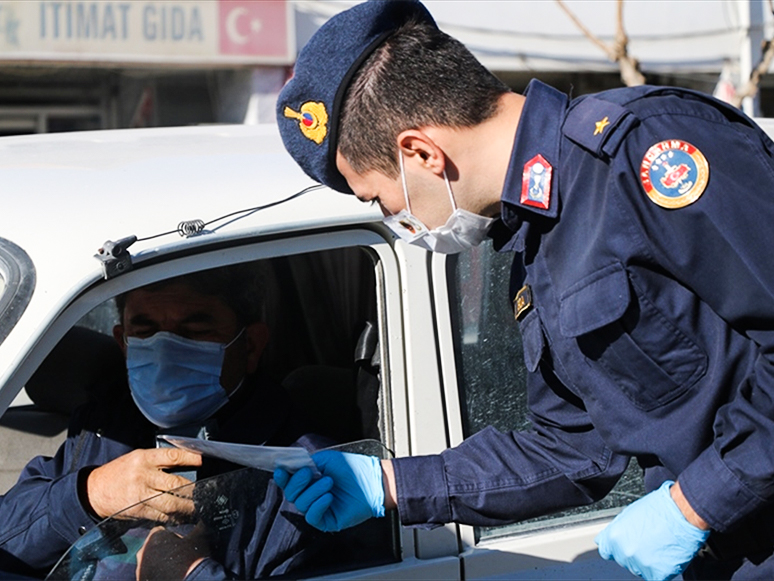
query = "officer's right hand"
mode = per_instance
[
  {"x": 139, "y": 476},
  {"x": 651, "y": 537},
  {"x": 349, "y": 493}
]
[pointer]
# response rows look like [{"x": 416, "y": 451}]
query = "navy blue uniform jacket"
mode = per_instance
[
  {"x": 42, "y": 515},
  {"x": 651, "y": 330}
]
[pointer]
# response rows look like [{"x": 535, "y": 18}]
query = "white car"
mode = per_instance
[{"x": 444, "y": 344}]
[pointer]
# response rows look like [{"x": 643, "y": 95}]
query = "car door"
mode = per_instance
[{"x": 328, "y": 286}]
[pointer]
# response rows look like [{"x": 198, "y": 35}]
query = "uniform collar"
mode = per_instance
[{"x": 538, "y": 134}]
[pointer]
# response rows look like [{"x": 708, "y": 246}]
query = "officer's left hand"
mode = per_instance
[
  {"x": 349, "y": 493},
  {"x": 651, "y": 537}
]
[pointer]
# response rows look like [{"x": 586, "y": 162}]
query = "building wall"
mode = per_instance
[{"x": 160, "y": 81}]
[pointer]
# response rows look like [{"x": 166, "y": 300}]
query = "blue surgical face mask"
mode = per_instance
[{"x": 176, "y": 381}]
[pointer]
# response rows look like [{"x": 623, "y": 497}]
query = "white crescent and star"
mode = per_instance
[{"x": 231, "y": 26}]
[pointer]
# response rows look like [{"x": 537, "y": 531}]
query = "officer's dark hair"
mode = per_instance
[
  {"x": 241, "y": 287},
  {"x": 418, "y": 77}
]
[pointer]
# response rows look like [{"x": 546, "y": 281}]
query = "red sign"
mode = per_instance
[{"x": 253, "y": 28}]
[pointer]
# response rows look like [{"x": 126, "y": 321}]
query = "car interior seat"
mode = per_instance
[
  {"x": 341, "y": 402},
  {"x": 83, "y": 362}
]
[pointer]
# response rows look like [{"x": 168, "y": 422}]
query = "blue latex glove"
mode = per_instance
[
  {"x": 350, "y": 491},
  {"x": 651, "y": 537}
]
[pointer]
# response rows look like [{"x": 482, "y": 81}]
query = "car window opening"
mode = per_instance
[{"x": 321, "y": 309}]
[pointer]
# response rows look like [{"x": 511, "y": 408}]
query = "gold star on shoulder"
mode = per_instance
[{"x": 600, "y": 126}]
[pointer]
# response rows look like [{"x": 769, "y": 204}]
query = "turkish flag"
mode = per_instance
[{"x": 254, "y": 28}]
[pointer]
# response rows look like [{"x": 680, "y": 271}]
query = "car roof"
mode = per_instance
[
  {"x": 64, "y": 195},
  {"x": 80, "y": 189}
]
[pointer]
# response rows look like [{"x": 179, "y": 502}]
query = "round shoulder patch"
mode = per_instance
[{"x": 674, "y": 173}]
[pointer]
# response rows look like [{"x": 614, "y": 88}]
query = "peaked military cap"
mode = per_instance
[{"x": 309, "y": 105}]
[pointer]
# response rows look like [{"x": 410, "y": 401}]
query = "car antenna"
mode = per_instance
[{"x": 115, "y": 257}]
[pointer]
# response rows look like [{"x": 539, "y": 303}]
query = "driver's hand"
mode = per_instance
[
  {"x": 166, "y": 556},
  {"x": 138, "y": 476}
]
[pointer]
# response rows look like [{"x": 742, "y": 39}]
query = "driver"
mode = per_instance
[{"x": 192, "y": 346}]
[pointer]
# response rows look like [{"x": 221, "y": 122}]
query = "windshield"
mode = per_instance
[{"x": 238, "y": 527}]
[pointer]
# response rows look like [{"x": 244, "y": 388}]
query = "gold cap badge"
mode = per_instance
[{"x": 313, "y": 120}]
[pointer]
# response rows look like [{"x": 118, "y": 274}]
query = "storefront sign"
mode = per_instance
[{"x": 136, "y": 31}]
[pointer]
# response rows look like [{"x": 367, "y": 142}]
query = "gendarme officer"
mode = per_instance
[{"x": 643, "y": 283}]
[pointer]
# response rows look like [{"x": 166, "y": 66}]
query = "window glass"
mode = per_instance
[
  {"x": 491, "y": 374},
  {"x": 216, "y": 523}
]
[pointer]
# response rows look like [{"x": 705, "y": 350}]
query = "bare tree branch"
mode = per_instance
[
  {"x": 630, "y": 66},
  {"x": 621, "y": 38},
  {"x": 750, "y": 88},
  {"x": 618, "y": 52},
  {"x": 586, "y": 31}
]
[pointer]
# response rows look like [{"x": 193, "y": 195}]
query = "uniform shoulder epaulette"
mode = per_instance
[{"x": 598, "y": 125}]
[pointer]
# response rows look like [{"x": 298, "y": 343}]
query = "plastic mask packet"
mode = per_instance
[{"x": 266, "y": 458}]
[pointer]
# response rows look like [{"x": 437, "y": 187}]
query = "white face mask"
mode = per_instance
[{"x": 462, "y": 230}]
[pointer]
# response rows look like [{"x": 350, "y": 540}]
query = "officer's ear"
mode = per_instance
[
  {"x": 420, "y": 149},
  {"x": 256, "y": 339}
]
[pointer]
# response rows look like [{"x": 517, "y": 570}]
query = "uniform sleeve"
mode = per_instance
[
  {"x": 720, "y": 248},
  {"x": 41, "y": 513},
  {"x": 496, "y": 478}
]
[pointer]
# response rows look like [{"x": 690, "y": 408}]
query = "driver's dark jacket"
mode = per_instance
[
  {"x": 42, "y": 514},
  {"x": 650, "y": 332}
]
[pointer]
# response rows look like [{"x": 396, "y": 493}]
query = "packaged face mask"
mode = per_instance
[{"x": 261, "y": 457}]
